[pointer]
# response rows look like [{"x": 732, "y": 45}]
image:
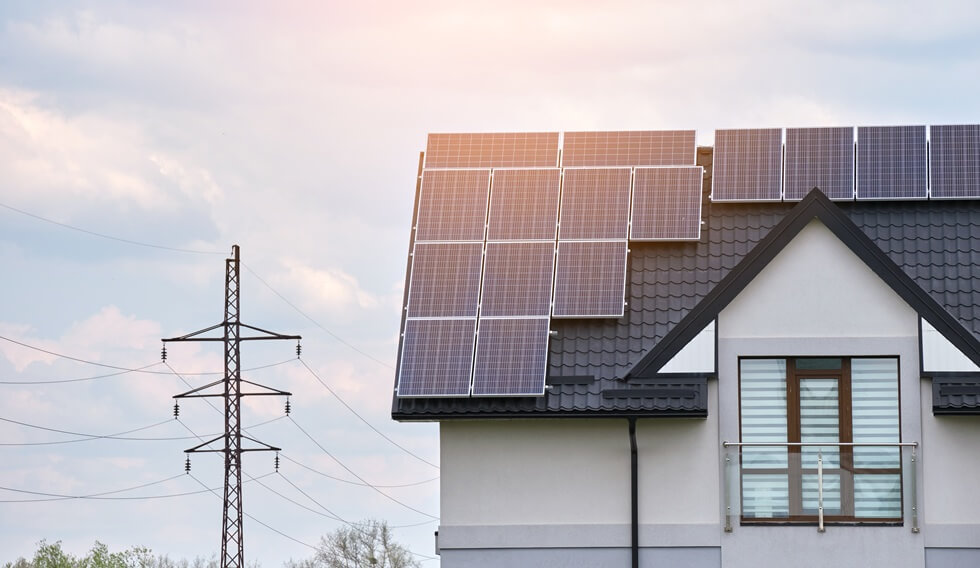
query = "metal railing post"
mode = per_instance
[
  {"x": 820, "y": 527},
  {"x": 913, "y": 494},
  {"x": 728, "y": 492}
]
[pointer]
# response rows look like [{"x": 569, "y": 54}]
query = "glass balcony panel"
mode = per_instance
[
  {"x": 878, "y": 496},
  {"x": 765, "y": 495}
]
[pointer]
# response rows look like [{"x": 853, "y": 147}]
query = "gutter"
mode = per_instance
[{"x": 634, "y": 496}]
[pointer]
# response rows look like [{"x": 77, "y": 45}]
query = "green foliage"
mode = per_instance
[{"x": 53, "y": 556}]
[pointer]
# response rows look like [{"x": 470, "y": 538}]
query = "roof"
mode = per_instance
[
  {"x": 924, "y": 250},
  {"x": 956, "y": 393}
]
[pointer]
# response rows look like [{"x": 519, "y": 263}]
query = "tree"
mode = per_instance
[{"x": 365, "y": 545}]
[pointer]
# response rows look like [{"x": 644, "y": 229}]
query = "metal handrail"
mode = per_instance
[
  {"x": 820, "y": 519},
  {"x": 819, "y": 444}
]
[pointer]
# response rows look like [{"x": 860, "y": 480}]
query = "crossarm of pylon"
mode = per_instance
[
  {"x": 269, "y": 334},
  {"x": 267, "y": 447},
  {"x": 269, "y": 390},
  {"x": 193, "y": 335},
  {"x": 197, "y": 448},
  {"x": 191, "y": 393}
]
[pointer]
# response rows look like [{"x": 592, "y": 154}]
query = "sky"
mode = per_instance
[{"x": 139, "y": 141}]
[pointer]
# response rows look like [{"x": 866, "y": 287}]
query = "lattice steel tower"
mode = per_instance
[{"x": 232, "y": 539}]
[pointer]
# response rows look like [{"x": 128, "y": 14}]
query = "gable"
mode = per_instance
[{"x": 817, "y": 287}]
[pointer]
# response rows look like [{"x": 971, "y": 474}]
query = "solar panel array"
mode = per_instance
[
  {"x": 819, "y": 157},
  {"x": 667, "y": 203},
  {"x": 747, "y": 165},
  {"x": 880, "y": 162},
  {"x": 954, "y": 161},
  {"x": 506, "y": 238},
  {"x": 891, "y": 162}
]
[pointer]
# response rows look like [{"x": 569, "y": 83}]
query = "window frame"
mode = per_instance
[{"x": 794, "y": 465}]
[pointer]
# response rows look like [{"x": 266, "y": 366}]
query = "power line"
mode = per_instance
[
  {"x": 78, "y": 380},
  {"x": 104, "y": 236},
  {"x": 116, "y": 436},
  {"x": 358, "y": 483},
  {"x": 58, "y": 496},
  {"x": 349, "y": 470},
  {"x": 356, "y": 526},
  {"x": 117, "y": 367},
  {"x": 362, "y": 419},
  {"x": 341, "y": 340},
  {"x": 102, "y": 496}
]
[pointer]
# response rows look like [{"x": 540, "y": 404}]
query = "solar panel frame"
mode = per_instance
[
  {"x": 461, "y": 196},
  {"x": 595, "y": 203},
  {"x": 445, "y": 280},
  {"x": 666, "y": 204},
  {"x": 518, "y": 279},
  {"x": 523, "y": 204},
  {"x": 590, "y": 279},
  {"x": 629, "y": 148},
  {"x": 954, "y": 161},
  {"x": 511, "y": 357},
  {"x": 819, "y": 157},
  {"x": 747, "y": 165},
  {"x": 891, "y": 163},
  {"x": 492, "y": 149},
  {"x": 437, "y": 358}
]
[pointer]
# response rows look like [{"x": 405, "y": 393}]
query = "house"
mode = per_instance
[{"x": 791, "y": 376}]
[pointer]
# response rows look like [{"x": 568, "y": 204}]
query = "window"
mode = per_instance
[{"x": 825, "y": 400}]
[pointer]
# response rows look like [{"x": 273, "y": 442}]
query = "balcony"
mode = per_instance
[{"x": 820, "y": 483}]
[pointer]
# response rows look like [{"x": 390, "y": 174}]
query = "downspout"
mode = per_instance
[{"x": 634, "y": 496}]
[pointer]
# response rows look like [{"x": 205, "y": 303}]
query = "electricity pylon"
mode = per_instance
[{"x": 232, "y": 539}]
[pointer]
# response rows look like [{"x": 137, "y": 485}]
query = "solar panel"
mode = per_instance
[
  {"x": 524, "y": 204},
  {"x": 747, "y": 165},
  {"x": 437, "y": 357},
  {"x": 595, "y": 203},
  {"x": 445, "y": 280},
  {"x": 891, "y": 162},
  {"x": 492, "y": 150},
  {"x": 666, "y": 204},
  {"x": 517, "y": 279},
  {"x": 954, "y": 158},
  {"x": 819, "y": 157},
  {"x": 590, "y": 279},
  {"x": 511, "y": 357},
  {"x": 453, "y": 205},
  {"x": 629, "y": 148}
]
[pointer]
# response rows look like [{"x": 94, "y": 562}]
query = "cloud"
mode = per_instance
[{"x": 332, "y": 290}]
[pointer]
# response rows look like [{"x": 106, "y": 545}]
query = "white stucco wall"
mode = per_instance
[
  {"x": 678, "y": 469},
  {"x": 816, "y": 287},
  {"x": 529, "y": 472},
  {"x": 951, "y": 466}
]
